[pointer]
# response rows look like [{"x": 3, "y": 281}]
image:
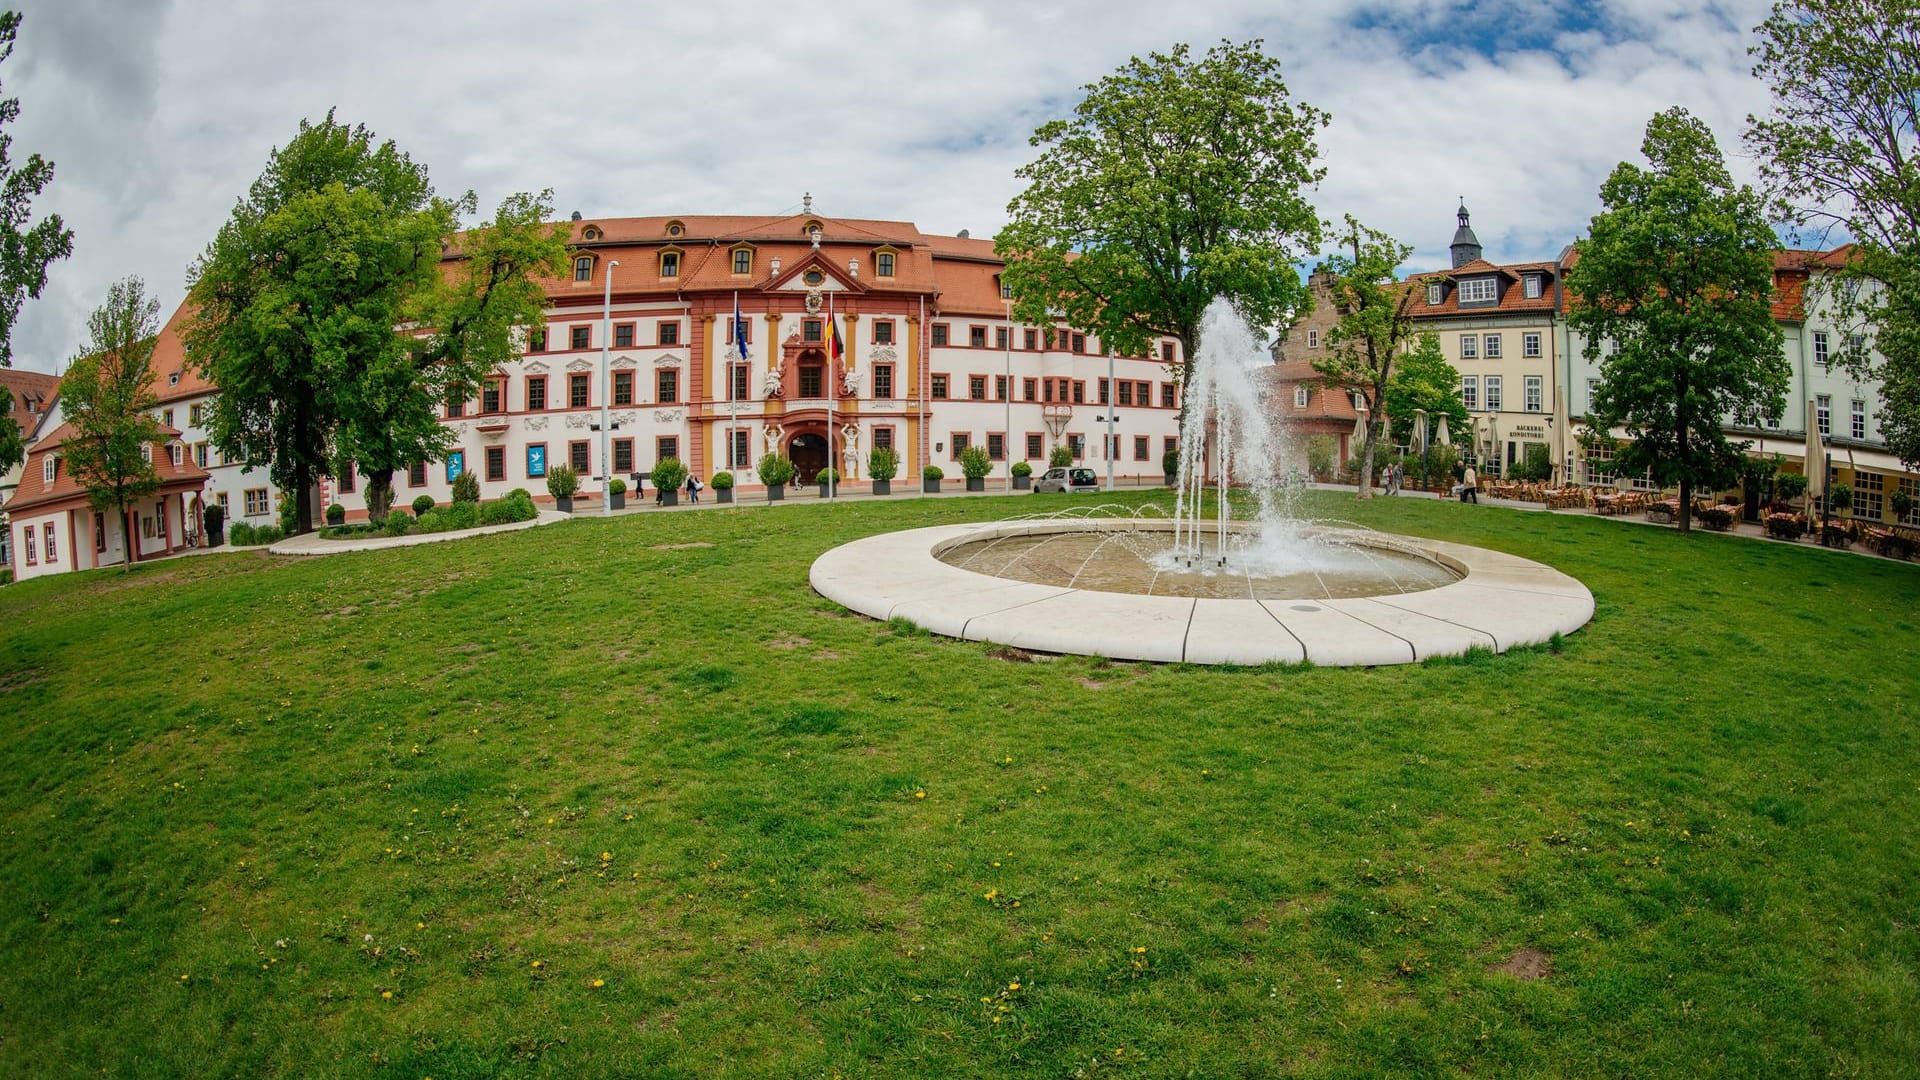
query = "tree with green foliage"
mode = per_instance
[
  {"x": 25, "y": 250},
  {"x": 1841, "y": 148},
  {"x": 107, "y": 396},
  {"x": 1422, "y": 379},
  {"x": 326, "y": 316},
  {"x": 1678, "y": 275},
  {"x": 1375, "y": 326},
  {"x": 1177, "y": 180}
]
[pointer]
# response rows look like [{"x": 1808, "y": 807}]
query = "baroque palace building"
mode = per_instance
[{"x": 931, "y": 363}]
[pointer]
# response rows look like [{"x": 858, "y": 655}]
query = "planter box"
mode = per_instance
[
  {"x": 618, "y": 499},
  {"x": 930, "y": 487},
  {"x": 563, "y": 503},
  {"x": 723, "y": 495},
  {"x": 216, "y": 536},
  {"x": 976, "y": 483},
  {"x": 1023, "y": 483},
  {"x": 883, "y": 487},
  {"x": 776, "y": 492},
  {"x": 670, "y": 498},
  {"x": 1172, "y": 480},
  {"x": 823, "y": 490}
]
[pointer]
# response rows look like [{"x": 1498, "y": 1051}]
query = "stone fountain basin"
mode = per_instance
[{"x": 1499, "y": 602}]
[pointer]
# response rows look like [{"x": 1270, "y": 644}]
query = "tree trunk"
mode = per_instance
[
  {"x": 379, "y": 494},
  {"x": 302, "y": 504},
  {"x": 1366, "y": 466},
  {"x": 1686, "y": 479},
  {"x": 126, "y": 526}
]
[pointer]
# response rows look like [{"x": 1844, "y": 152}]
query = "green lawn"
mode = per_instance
[{"x": 588, "y": 803}]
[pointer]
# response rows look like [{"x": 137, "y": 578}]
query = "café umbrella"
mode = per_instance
[{"x": 1816, "y": 457}]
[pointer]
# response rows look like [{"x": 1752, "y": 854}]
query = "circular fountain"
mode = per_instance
[{"x": 1196, "y": 584}]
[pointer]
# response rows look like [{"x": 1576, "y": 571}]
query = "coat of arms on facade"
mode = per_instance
[{"x": 813, "y": 301}]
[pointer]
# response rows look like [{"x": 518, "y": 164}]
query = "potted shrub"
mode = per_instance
[
  {"x": 617, "y": 494},
  {"x": 1717, "y": 518},
  {"x": 1022, "y": 476},
  {"x": 930, "y": 478},
  {"x": 975, "y": 465},
  {"x": 336, "y": 514},
  {"x": 882, "y": 466},
  {"x": 1840, "y": 500},
  {"x": 669, "y": 475},
  {"x": 1060, "y": 457},
  {"x": 466, "y": 488},
  {"x": 562, "y": 484},
  {"x": 1170, "y": 466},
  {"x": 826, "y": 478},
  {"x": 1901, "y": 502},
  {"x": 422, "y": 504},
  {"x": 722, "y": 484},
  {"x": 216, "y": 521},
  {"x": 775, "y": 470}
]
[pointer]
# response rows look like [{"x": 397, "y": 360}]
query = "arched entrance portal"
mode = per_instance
[{"x": 809, "y": 454}]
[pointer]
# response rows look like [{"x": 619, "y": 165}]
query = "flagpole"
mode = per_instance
[
  {"x": 733, "y": 406},
  {"x": 833, "y": 346}
]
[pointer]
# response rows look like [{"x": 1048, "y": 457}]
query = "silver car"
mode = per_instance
[{"x": 1072, "y": 481}]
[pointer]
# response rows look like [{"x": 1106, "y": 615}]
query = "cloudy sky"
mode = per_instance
[{"x": 159, "y": 114}]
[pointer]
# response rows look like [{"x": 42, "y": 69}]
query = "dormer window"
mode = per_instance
[
  {"x": 743, "y": 260},
  {"x": 1478, "y": 291},
  {"x": 670, "y": 263},
  {"x": 173, "y": 379},
  {"x": 583, "y": 268},
  {"x": 49, "y": 468},
  {"x": 1299, "y": 397},
  {"x": 1534, "y": 286},
  {"x": 1313, "y": 339},
  {"x": 1006, "y": 291},
  {"x": 883, "y": 264},
  {"x": 674, "y": 228},
  {"x": 591, "y": 232},
  {"x": 1433, "y": 293}
]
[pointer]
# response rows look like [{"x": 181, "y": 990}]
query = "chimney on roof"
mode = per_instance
[
  {"x": 576, "y": 215},
  {"x": 965, "y": 235}
]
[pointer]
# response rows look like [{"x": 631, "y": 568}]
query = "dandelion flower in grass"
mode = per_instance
[
  {"x": 1014, "y": 985},
  {"x": 598, "y": 983},
  {"x": 538, "y": 964},
  {"x": 920, "y": 794},
  {"x": 386, "y": 995}
]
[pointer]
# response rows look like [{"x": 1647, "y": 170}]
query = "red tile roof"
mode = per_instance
[
  {"x": 1512, "y": 295},
  {"x": 1325, "y": 402},
  {"x": 32, "y": 393},
  {"x": 34, "y": 491}
]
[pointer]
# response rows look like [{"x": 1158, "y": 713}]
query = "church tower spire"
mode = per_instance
[{"x": 1466, "y": 246}]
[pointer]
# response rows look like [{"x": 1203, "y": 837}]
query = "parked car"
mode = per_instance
[{"x": 1072, "y": 481}]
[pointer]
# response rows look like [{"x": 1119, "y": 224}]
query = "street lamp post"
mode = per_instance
[
  {"x": 1113, "y": 397},
  {"x": 1006, "y": 399},
  {"x": 606, "y": 390}
]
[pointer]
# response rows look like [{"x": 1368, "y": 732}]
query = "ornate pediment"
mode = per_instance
[
  {"x": 668, "y": 416},
  {"x": 536, "y": 367},
  {"x": 669, "y": 359},
  {"x": 536, "y": 423},
  {"x": 576, "y": 420},
  {"x": 623, "y": 363},
  {"x": 579, "y": 365},
  {"x": 883, "y": 354}
]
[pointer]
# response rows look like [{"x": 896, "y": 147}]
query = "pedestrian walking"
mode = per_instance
[
  {"x": 693, "y": 488},
  {"x": 1470, "y": 482}
]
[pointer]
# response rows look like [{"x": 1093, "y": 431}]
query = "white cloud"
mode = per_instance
[{"x": 158, "y": 118}]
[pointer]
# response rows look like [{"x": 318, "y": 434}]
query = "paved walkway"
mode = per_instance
[{"x": 314, "y": 544}]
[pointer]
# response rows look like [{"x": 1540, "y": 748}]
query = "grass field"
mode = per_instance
[{"x": 585, "y": 801}]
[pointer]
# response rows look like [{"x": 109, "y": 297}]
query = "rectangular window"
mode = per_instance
[
  {"x": 194, "y": 413},
  {"x": 810, "y": 331},
  {"x": 883, "y": 438},
  {"x": 1080, "y": 392},
  {"x": 1859, "y": 427},
  {"x": 496, "y": 463},
  {"x": 1470, "y": 391},
  {"x": 1049, "y": 388},
  {"x": 1140, "y": 445},
  {"x": 345, "y": 479},
  {"x": 939, "y": 334},
  {"x": 577, "y": 390},
  {"x": 669, "y": 264},
  {"x": 537, "y": 341},
  {"x": 960, "y": 441},
  {"x": 417, "y": 474},
  {"x": 456, "y": 409},
  {"x": 1869, "y": 495},
  {"x": 746, "y": 331},
  {"x": 883, "y": 380},
  {"x": 1166, "y": 395},
  {"x": 1109, "y": 447},
  {"x": 742, "y": 447},
  {"x": 536, "y": 460},
  {"x": 256, "y": 501},
  {"x": 1534, "y": 286},
  {"x": 581, "y": 337},
  {"x": 1030, "y": 339},
  {"x": 33, "y": 551},
  {"x": 668, "y": 331},
  {"x": 1079, "y": 343},
  {"x": 1535, "y": 391},
  {"x": 742, "y": 261},
  {"x": 883, "y": 332},
  {"x": 812, "y": 378},
  {"x": 737, "y": 382},
  {"x": 492, "y": 394},
  {"x": 166, "y": 417},
  {"x": 977, "y": 387},
  {"x": 1106, "y": 393},
  {"x": 176, "y": 453},
  {"x": 977, "y": 336},
  {"x": 1029, "y": 389},
  {"x": 1530, "y": 345},
  {"x": 1077, "y": 445},
  {"x": 623, "y": 455},
  {"x": 1911, "y": 485},
  {"x": 456, "y": 464},
  {"x": 668, "y": 383},
  {"x": 1593, "y": 393},
  {"x": 580, "y": 457},
  {"x": 1035, "y": 449},
  {"x": 1823, "y": 413},
  {"x": 623, "y": 336},
  {"x": 1478, "y": 291},
  {"x": 1126, "y": 392},
  {"x": 100, "y": 527},
  {"x": 536, "y": 393},
  {"x": 1166, "y": 352},
  {"x": 1170, "y": 444},
  {"x": 1493, "y": 346},
  {"x": 1313, "y": 339},
  {"x": 883, "y": 264},
  {"x": 1002, "y": 338},
  {"x": 1493, "y": 393},
  {"x": 1434, "y": 293},
  {"x": 200, "y": 454},
  {"x": 1143, "y": 393},
  {"x": 623, "y": 388},
  {"x": 1469, "y": 346},
  {"x": 999, "y": 388},
  {"x": 940, "y": 387},
  {"x": 997, "y": 445},
  {"x": 1820, "y": 349},
  {"x": 583, "y": 268},
  {"x": 53, "y": 545}
]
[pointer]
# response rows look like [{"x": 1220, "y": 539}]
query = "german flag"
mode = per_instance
[{"x": 834, "y": 348}]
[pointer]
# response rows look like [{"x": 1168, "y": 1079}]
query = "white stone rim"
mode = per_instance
[{"x": 1500, "y": 602}]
